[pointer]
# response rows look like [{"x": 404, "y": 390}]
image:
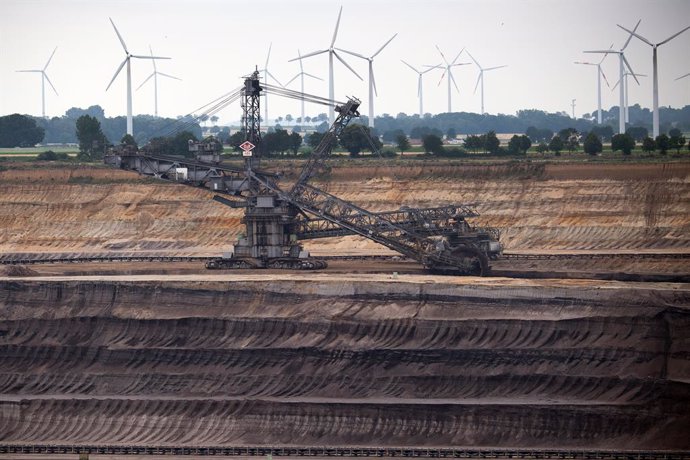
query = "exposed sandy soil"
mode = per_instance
[{"x": 537, "y": 207}]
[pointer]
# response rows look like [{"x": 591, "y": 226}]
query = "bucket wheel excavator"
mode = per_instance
[{"x": 276, "y": 218}]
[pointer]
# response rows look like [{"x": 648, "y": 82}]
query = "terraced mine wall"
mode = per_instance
[
  {"x": 539, "y": 207},
  {"x": 306, "y": 359}
]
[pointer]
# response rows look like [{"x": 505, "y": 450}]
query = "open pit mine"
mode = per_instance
[{"x": 575, "y": 342}]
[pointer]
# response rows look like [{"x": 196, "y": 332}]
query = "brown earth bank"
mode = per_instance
[
  {"x": 316, "y": 359},
  {"x": 538, "y": 207}
]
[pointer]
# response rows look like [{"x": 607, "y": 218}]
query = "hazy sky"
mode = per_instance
[{"x": 213, "y": 43}]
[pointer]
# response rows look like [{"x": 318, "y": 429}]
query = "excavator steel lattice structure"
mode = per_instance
[{"x": 276, "y": 219}]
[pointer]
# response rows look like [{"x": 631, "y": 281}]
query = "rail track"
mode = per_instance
[
  {"x": 402, "y": 452},
  {"x": 25, "y": 259}
]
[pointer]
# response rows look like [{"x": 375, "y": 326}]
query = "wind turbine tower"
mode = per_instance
[
  {"x": 600, "y": 73},
  {"x": 622, "y": 62},
  {"x": 267, "y": 73},
  {"x": 655, "y": 74},
  {"x": 302, "y": 74},
  {"x": 128, "y": 57},
  {"x": 420, "y": 89},
  {"x": 372, "y": 81},
  {"x": 155, "y": 81},
  {"x": 573, "y": 105},
  {"x": 481, "y": 76},
  {"x": 44, "y": 77},
  {"x": 450, "y": 73},
  {"x": 331, "y": 53},
  {"x": 625, "y": 83}
]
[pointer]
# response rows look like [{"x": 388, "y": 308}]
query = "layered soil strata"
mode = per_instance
[
  {"x": 308, "y": 359},
  {"x": 539, "y": 207}
]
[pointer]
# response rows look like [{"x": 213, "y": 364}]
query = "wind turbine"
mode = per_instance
[
  {"x": 44, "y": 77},
  {"x": 331, "y": 52},
  {"x": 683, "y": 76},
  {"x": 420, "y": 92},
  {"x": 625, "y": 83},
  {"x": 573, "y": 105},
  {"x": 155, "y": 81},
  {"x": 450, "y": 73},
  {"x": 481, "y": 76},
  {"x": 267, "y": 73},
  {"x": 655, "y": 74},
  {"x": 621, "y": 62},
  {"x": 600, "y": 73},
  {"x": 302, "y": 74},
  {"x": 372, "y": 81},
  {"x": 128, "y": 57}
]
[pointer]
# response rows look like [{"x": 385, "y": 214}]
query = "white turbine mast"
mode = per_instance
[
  {"x": 154, "y": 75},
  {"x": 44, "y": 77},
  {"x": 622, "y": 62},
  {"x": 372, "y": 81},
  {"x": 331, "y": 53},
  {"x": 625, "y": 85},
  {"x": 267, "y": 73},
  {"x": 301, "y": 76},
  {"x": 420, "y": 89},
  {"x": 573, "y": 106},
  {"x": 126, "y": 61},
  {"x": 600, "y": 73},
  {"x": 448, "y": 66},
  {"x": 655, "y": 73},
  {"x": 480, "y": 77}
]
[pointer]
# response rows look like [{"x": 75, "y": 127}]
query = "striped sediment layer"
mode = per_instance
[{"x": 304, "y": 359}]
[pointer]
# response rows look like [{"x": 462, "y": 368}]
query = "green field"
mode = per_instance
[{"x": 37, "y": 150}]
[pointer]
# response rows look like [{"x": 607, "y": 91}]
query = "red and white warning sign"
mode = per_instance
[{"x": 247, "y": 148}]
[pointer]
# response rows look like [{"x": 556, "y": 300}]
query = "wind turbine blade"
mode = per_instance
[
  {"x": 153, "y": 61},
  {"x": 450, "y": 74},
  {"x": 312, "y": 76},
  {"x": 683, "y": 76},
  {"x": 148, "y": 57},
  {"x": 268, "y": 56},
  {"x": 603, "y": 51},
  {"x": 632, "y": 72},
  {"x": 636, "y": 35},
  {"x": 49, "y": 59},
  {"x": 119, "y": 36},
  {"x": 673, "y": 36},
  {"x": 352, "y": 53},
  {"x": 432, "y": 68},
  {"x": 585, "y": 63},
  {"x": 274, "y": 78},
  {"x": 627, "y": 42},
  {"x": 337, "y": 24},
  {"x": 373, "y": 80},
  {"x": 460, "y": 63},
  {"x": 347, "y": 65},
  {"x": 169, "y": 76},
  {"x": 472, "y": 57},
  {"x": 308, "y": 55},
  {"x": 444, "y": 58},
  {"x": 616, "y": 85},
  {"x": 143, "y": 82},
  {"x": 408, "y": 65},
  {"x": 117, "y": 72},
  {"x": 28, "y": 71},
  {"x": 293, "y": 79},
  {"x": 494, "y": 68},
  {"x": 604, "y": 75},
  {"x": 479, "y": 77},
  {"x": 602, "y": 59},
  {"x": 50, "y": 83},
  {"x": 442, "y": 75},
  {"x": 457, "y": 56},
  {"x": 384, "y": 45}
]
